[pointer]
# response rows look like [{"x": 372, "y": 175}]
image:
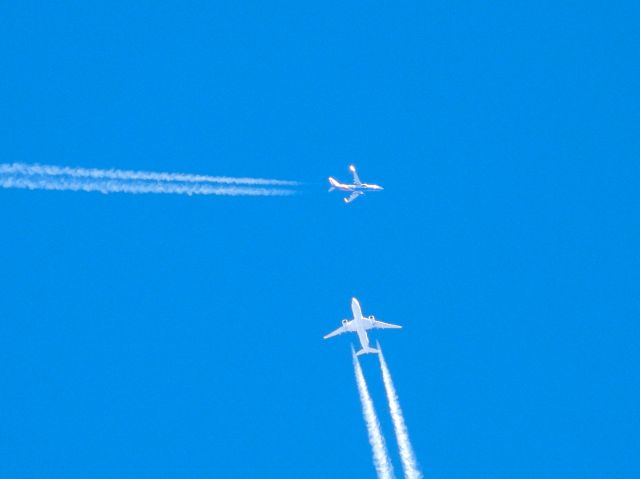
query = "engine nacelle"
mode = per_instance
[{"x": 345, "y": 322}]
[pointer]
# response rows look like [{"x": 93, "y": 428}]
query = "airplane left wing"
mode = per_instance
[
  {"x": 353, "y": 196},
  {"x": 340, "y": 330},
  {"x": 356, "y": 178},
  {"x": 382, "y": 325}
]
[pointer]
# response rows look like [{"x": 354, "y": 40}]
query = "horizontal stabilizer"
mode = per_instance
[{"x": 366, "y": 351}]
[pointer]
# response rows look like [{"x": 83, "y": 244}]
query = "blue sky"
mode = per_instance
[{"x": 165, "y": 336}]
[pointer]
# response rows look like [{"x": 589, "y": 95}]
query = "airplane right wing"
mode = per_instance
[
  {"x": 382, "y": 325},
  {"x": 353, "y": 196},
  {"x": 340, "y": 330}
]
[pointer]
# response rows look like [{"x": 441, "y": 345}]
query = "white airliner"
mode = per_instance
[
  {"x": 360, "y": 324},
  {"x": 356, "y": 189}
]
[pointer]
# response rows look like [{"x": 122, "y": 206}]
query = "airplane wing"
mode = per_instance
[
  {"x": 356, "y": 178},
  {"x": 340, "y": 330},
  {"x": 353, "y": 196},
  {"x": 382, "y": 325}
]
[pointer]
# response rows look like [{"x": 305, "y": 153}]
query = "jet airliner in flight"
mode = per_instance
[
  {"x": 359, "y": 324},
  {"x": 356, "y": 189}
]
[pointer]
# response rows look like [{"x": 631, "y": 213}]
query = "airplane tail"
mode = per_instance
[
  {"x": 333, "y": 183},
  {"x": 367, "y": 350}
]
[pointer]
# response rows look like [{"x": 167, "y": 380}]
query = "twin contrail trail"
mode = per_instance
[
  {"x": 48, "y": 170},
  {"x": 381, "y": 459},
  {"x": 63, "y": 178},
  {"x": 407, "y": 456}
]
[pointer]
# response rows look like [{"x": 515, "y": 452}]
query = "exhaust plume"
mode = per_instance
[
  {"x": 381, "y": 459},
  {"x": 407, "y": 456},
  {"x": 61, "y": 184},
  {"x": 129, "y": 175},
  {"x": 39, "y": 177}
]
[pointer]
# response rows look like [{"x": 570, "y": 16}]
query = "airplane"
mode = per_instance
[
  {"x": 357, "y": 188},
  {"x": 359, "y": 324}
]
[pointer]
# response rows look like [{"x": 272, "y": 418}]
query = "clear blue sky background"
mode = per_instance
[{"x": 172, "y": 337}]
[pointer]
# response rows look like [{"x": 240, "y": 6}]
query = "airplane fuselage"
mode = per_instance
[
  {"x": 359, "y": 324},
  {"x": 349, "y": 188},
  {"x": 363, "y": 336}
]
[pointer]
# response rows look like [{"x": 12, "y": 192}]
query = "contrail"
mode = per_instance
[
  {"x": 95, "y": 173},
  {"x": 381, "y": 459},
  {"x": 135, "y": 187},
  {"x": 407, "y": 456}
]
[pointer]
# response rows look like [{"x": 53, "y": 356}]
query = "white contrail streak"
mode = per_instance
[
  {"x": 407, "y": 456},
  {"x": 121, "y": 186},
  {"x": 381, "y": 459},
  {"x": 98, "y": 174}
]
